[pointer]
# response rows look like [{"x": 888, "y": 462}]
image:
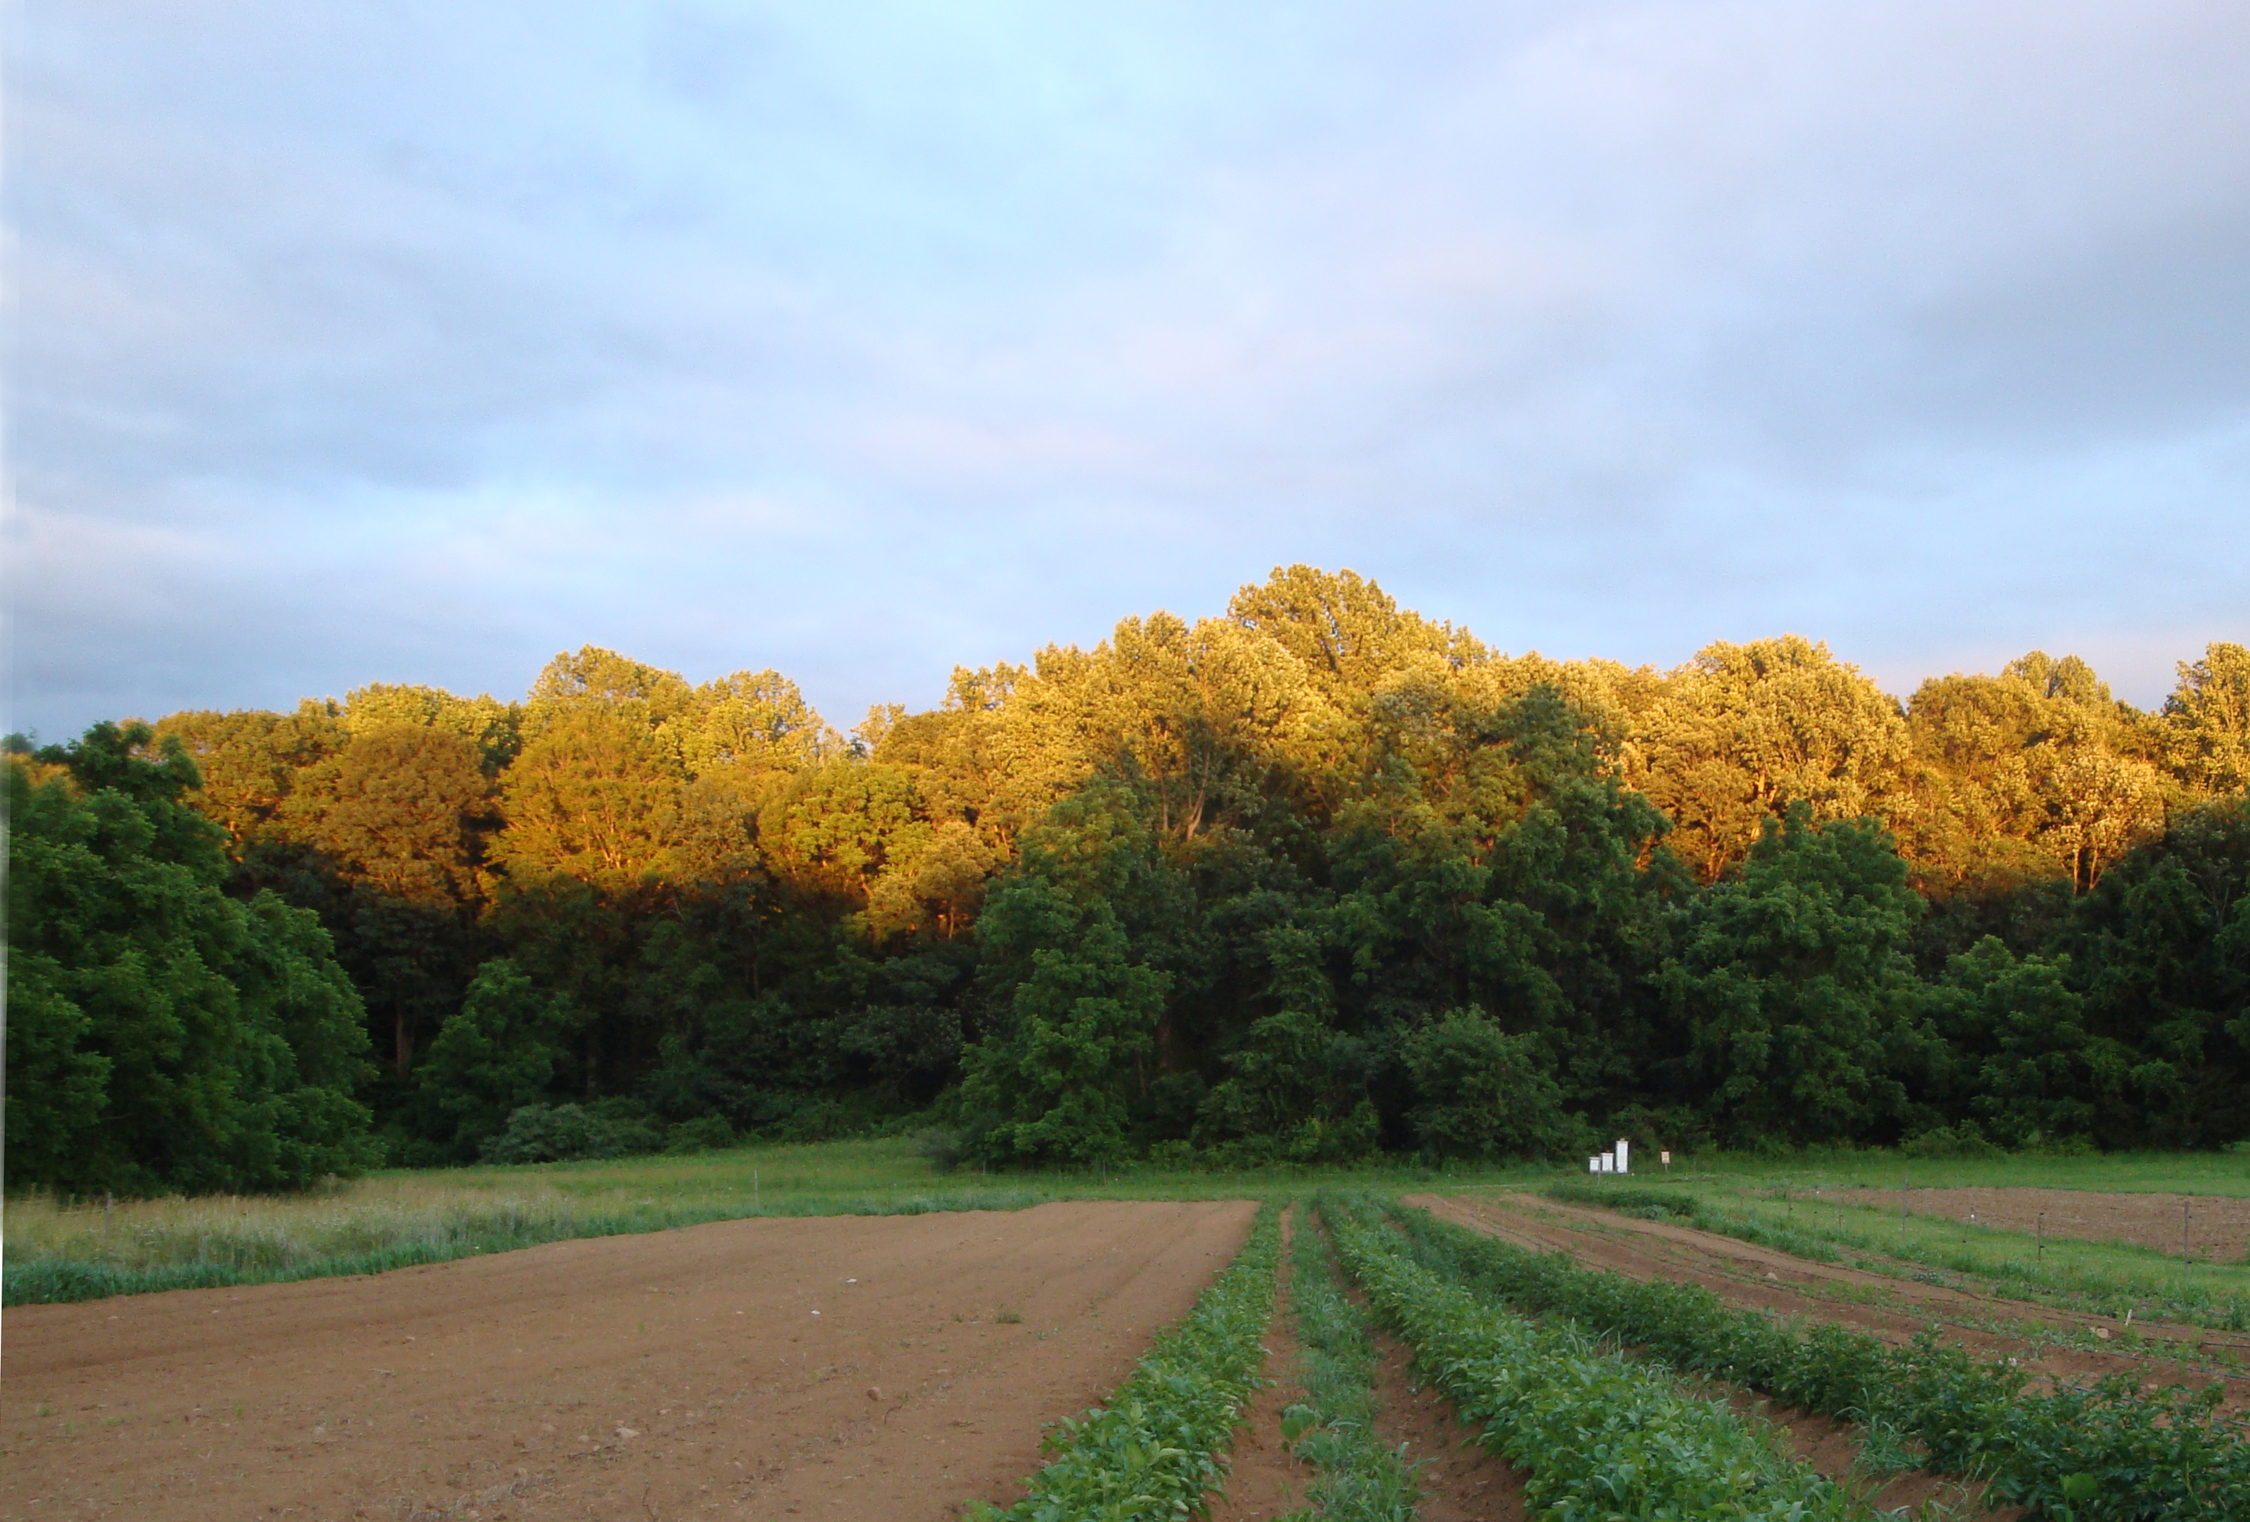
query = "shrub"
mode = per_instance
[
  {"x": 1482, "y": 1092},
  {"x": 561, "y": 1133},
  {"x": 1172, "y": 1154},
  {"x": 1966, "y": 1140},
  {"x": 942, "y": 1147},
  {"x": 699, "y": 1135}
]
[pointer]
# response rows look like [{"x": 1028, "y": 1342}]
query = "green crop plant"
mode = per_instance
[
  {"x": 1158, "y": 1447},
  {"x": 1601, "y": 1438},
  {"x": 1334, "y": 1428},
  {"x": 2105, "y": 1452},
  {"x": 2102, "y": 1277}
]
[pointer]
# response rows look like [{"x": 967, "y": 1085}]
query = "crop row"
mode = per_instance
[
  {"x": 1334, "y": 1427},
  {"x": 1599, "y": 1436},
  {"x": 1156, "y": 1448},
  {"x": 2102, "y": 1452},
  {"x": 2157, "y": 1287}
]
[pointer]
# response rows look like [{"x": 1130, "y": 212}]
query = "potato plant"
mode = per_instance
[
  {"x": 2104, "y": 1452},
  {"x": 1155, "y": 1450},
  {"x": 1601, "y": 1438}
]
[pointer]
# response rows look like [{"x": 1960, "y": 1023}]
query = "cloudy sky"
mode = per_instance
[{"x": 418, "y": 341}]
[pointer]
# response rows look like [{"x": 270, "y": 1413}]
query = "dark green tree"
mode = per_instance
[
  {"x": 2026, "y": 1069},
  {"x": 2160, "y": 950},
  {"x": 1481, "y": 1093},
  {"x": 163, "y": 1035},
  {"x": 492, "y": 1058},
  {"x": 1076, "y": 1003},
  {"x": 1801, "y": 1012}
]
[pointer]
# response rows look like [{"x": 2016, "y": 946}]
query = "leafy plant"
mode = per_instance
[
  {"x": 1157, "y": 1447},
  {"x": 556, "y": 1133},
  {"x": 1600, "y": 1437},
  {"x": 2162, "y": 1454},
  {"x": 1334, "y": 1428}
]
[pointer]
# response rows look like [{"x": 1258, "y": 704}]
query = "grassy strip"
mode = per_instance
[
  {"x": 2104, "y": 1278},
  {"x": 2108, "y": 1450},
  {"x": 88, "y": 1249},
  {"x": 459, "y": 1233},
  {"x": 1360, "y": 1480},
  {"x": 1155, "y": 1449},
  {"x": 1600, "y": 1437}
]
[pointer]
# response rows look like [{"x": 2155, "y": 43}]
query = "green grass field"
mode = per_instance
[
  {"x": 397, "y": 1218},
  {"x": 2225, "y": 1173},
  {"x": 1773, "y": 1201}
]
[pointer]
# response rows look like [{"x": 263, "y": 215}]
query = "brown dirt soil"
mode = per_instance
[
  {"x": 845, "y": 1367},
  {"x": 1769, "y": 1280},
  {"x": 1832, "y": 1448},
  {"x": 1264, "y": 1479},
  {"x": 1460, "y": 1481},
  {"x": 2218, "y": 1226}
]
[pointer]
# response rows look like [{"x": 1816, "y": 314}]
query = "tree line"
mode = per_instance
[{"x": 1308, "y": 880}]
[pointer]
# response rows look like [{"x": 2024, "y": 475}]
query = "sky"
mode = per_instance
[{"x": 417, "y": 342}]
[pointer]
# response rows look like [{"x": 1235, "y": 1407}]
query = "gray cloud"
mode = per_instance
[{"x": 415, "y": 342}]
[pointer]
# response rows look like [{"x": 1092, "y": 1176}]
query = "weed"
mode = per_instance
[{"x": 1334, "y": 1428}]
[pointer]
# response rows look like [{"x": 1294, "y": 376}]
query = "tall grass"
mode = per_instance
[
  {"x": 1334, "y": 1428},
  {"x": 57, "y": 1251},
  {"x": 89, "y": 1252},
  {"x": 74, "y": 1251},
  {"x": 2216, "y": 1173},
  {"x": 2101, "y": 1278}
]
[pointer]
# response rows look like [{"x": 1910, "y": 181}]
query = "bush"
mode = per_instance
[
  {"x": 1482, "y": 1093},
  {"x": 1966, "y": 1140},
  {"x": 1175, "y": 1154},
  {"x": 942, "y": 1147},
  {"x": 699, "y": 1135},
  {"x": 560, "y": 1133},
  {"x": 491, "y": 1058}
]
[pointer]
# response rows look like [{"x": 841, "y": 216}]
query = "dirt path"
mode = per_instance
[
  {"x": 1769, "y": 1280},
  {"x": 844, "y": 1367},
  {"x": 1264, "y": 1479},
  {"x": 2217, "y": 1227},
  {"x": 1461, "y": 1482}
]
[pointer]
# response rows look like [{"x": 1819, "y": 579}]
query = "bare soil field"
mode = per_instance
[
  {"x": 839, "y": 1367},
  {"x": 2218, "y": 1226}
]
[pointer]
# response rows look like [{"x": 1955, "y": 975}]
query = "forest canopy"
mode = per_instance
[{"x": 1307, "y": 880}]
